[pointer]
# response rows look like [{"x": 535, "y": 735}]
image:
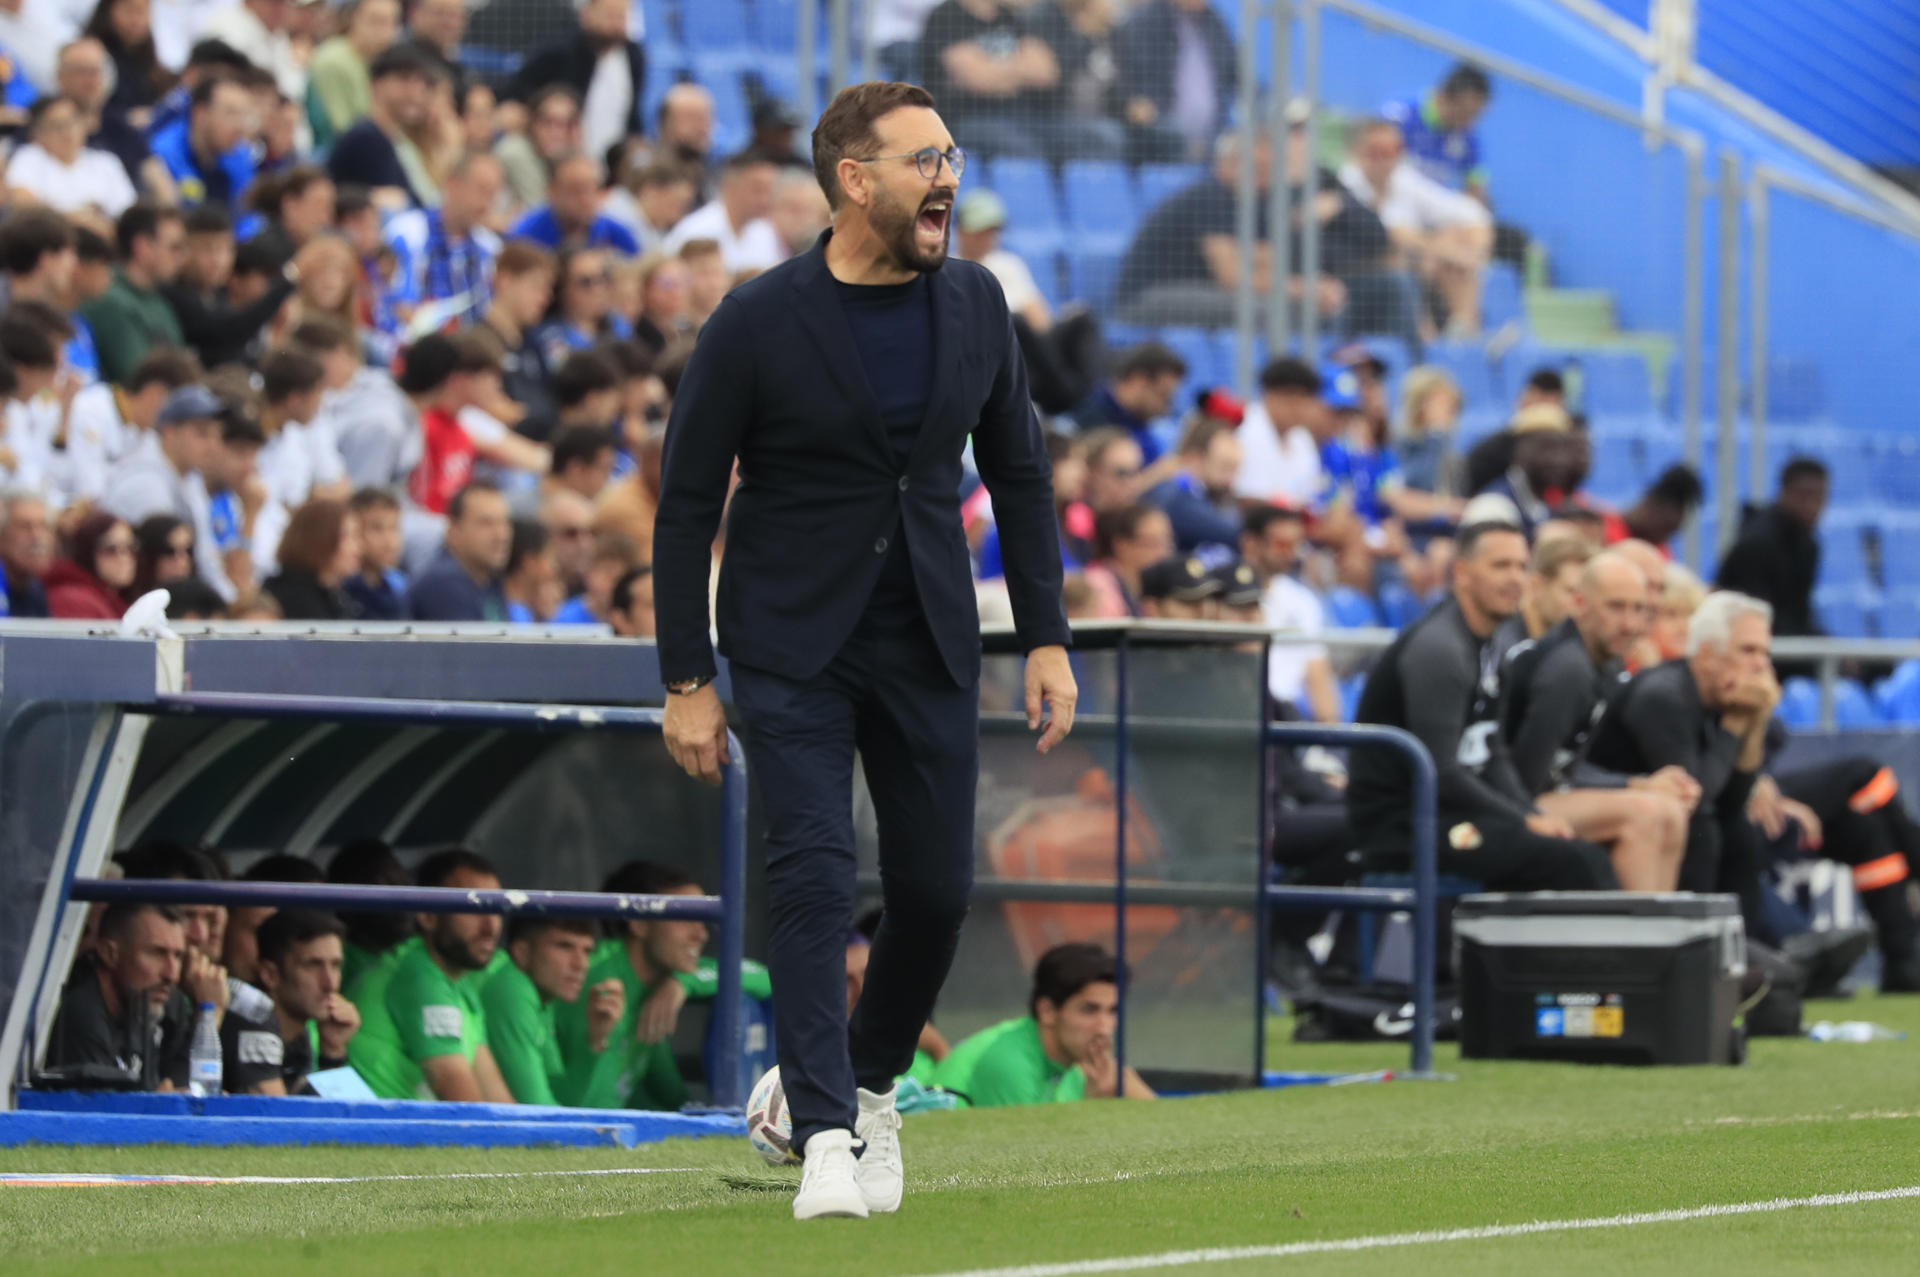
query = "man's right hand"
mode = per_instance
[
  {"x": 1674, "y": 781},
  {"x": 1100, "y": 1070},
  {"x": 695, "y": 728},
  {"x": 205, "y": 980},
  {"x": 1548, "y": 826}
]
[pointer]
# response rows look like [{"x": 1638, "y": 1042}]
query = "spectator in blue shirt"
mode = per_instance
[
  {"x": 1138, "y": 397},
  {"x": 379, "y": 587},
  {"x": 463, "y": 581},
  {"x": 1198, "y": 498},
  {"x": 446, "y": 254},
  {"x": 583, "y": 313},
  {"x": 571, "y": 217},
  {"x": 208, "y": 153},
  {"x": 1439, "y": 129},
  {"x": 531, "y": 582}
]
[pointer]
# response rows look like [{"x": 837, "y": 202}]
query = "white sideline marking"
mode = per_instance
[
  {"x": 63, "y": 1179},
  {"x": 1229, "y": 1254}
]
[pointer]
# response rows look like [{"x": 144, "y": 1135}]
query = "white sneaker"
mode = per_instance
[
  {"x": 882, "y": 1174},
  {"x": 829, "y": 1183}
]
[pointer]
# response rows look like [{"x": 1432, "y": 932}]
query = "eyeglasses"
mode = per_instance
[
  {"x": 927, "y": 160},
  {"x": 115, "y": 547},
  {"x": 591, "y": 281},
  {"x": 178, "y": 551}
]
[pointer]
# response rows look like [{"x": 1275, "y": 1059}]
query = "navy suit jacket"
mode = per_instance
[{"x": 775, "y": 380}]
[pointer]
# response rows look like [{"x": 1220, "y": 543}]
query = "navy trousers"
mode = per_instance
[{"x": 888, "y": 696}]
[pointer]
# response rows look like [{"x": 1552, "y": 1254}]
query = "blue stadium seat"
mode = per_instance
[
  {"x": 777, "y": 24},
  {"x": 1618, "y": 464},
  {"x": 1033, "y": 206},
  {"x": 1848, "y": 611},
  {"x": 1467, "y": 362},
  {"x": 1617, "y": 382},
  {"x": 1900, "y": 615},
  {"x": 1092, "y": 277},
  {"x": 665, "y": 45},
  {"x": 1349, "y": 609},
  {"x": 1099, "y": 204},
  {"x": 1794, "y": 392},
  {"x": 715, "y": 26},
  {"x": 1046, "y": 277},
  {"x": 1156, "y": 182},
  {"x": 1500, "y": 301},
  {"x": 1800, "y": 703},
  {"x": 1853, "y": 707},
  {"x": 1900, "y": 554},
  {"x": 1898, "y": 696},
  {"x": 1843, "y": 552}
]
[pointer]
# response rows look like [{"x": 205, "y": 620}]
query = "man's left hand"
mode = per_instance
[{"x": 1050, "y": 687}]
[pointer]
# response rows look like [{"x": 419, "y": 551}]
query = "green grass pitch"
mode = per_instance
[{"x": 1504, "y": 1144}]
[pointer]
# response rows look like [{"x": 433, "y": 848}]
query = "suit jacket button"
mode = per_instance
[
  {"x": 903, "y": 483},
  {"x": 880, "y": 545}
]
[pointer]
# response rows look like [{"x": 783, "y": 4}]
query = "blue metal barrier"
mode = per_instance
[
  {"x": 1422, "y": 901},
  {"x": 727, "y": 909}
]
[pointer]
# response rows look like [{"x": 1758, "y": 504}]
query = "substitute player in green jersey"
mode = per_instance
[
  {"x": 423, "y": 1032},
  {"x": 658, "y": 966},
  {"x": 1062, "y": 1051},
  {"x": 547, "y": 967}
]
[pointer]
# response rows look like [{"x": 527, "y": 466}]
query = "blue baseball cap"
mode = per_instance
[
  {"x": 1340, "y": 387},
  {"x": 190, "y": 403}
]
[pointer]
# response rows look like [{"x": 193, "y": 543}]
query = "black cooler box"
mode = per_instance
[{"x": 1606, "y": 977}]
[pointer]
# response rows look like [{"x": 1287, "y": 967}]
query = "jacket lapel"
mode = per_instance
[
  {"x": 947, "y": 328},
  {"x": 821, "y": 315}
]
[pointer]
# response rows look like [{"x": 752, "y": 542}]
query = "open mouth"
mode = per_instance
[{"x": 933, "y": 217}]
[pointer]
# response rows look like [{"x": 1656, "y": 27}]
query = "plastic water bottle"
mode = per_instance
[
  {"x": 203, "y": 1059},
  {"x": 1853, "y": 1031}
]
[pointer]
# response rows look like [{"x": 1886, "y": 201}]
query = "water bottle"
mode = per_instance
[
  {"x": 1853, "y": 1031},
  {"x": 203, "y": 1059}
]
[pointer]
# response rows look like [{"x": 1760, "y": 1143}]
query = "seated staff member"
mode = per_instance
[
  {"x": 123, "y": 1008},
  {"x": 1440, "y": 681},
  {"x": 933, "y": 1046},
  {"x": 659, "y": 966},
  {"x": 547, "y": 966},
  {"x": 1552, "y": 690},
  {"x": 423, "y": 1033},
  {"x": 298, "y": 964},
  {"x": 1061, "y": 1050}
]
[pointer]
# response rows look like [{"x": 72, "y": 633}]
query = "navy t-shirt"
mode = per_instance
[
  {"x": 893, "y": 331},
  {"x": 364, "y": 156}
]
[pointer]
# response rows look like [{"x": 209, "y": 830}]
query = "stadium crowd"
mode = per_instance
[{"x": 305, "y": 319}]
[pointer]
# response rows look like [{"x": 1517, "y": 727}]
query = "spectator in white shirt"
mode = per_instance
[
  {"x": 737, "y": 219},
  {"x": 1299, "y": 675},
  {"x": 258, "y": 28},
  {"x": 651, "y": 200},
  {"x": 1280, "y": 437},
  {"x": 58, "y": 169},
  {"x": 980, "y": 219},
  {"x": 32, "y": 31},
  {"x": 107, "y": 422},
  {"x": 161, "y": 475},
  {"x": 1447, "y": 235},
  {"x": 800, "y": 210}
]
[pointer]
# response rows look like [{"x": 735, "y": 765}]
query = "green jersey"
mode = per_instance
[
  {"x": 1005, "y": 1064},
  {"x": 356, "y": 962},
  {"x": 412, "y": 1013},
  {"x": 644, "y": 1075},
  {"x": 521, "y": 1034}
]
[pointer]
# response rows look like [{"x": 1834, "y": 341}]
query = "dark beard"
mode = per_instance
[
  {"x": 894, "y": 226},
  {"x": 455, "y": 951}
]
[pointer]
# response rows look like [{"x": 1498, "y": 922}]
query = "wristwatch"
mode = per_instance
[{"x": 688, "y": 686}]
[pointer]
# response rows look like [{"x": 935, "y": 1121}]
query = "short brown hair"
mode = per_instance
[
  {"x": 312, "y": 536},
  {"x": 1555, "y": 554},
  {"x": 318, "y": 334},
  {"x": 522, "y": 257},
  {"x": 846, "y": 127}
]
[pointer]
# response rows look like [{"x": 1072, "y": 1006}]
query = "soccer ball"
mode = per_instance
[{"x": 769, "y": 1123}]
